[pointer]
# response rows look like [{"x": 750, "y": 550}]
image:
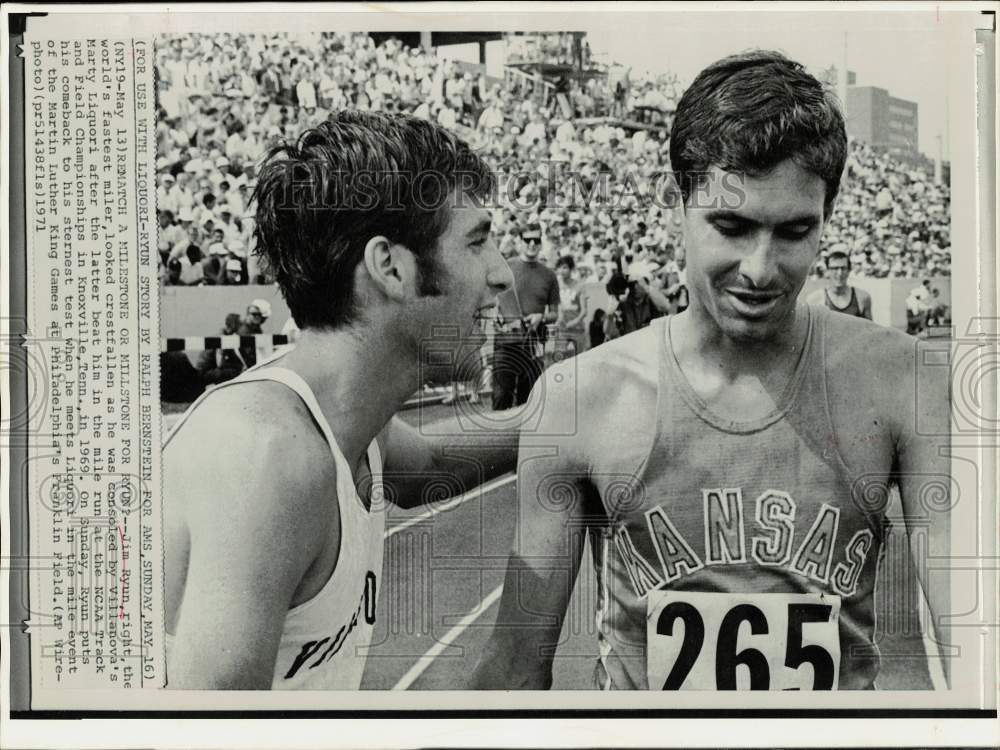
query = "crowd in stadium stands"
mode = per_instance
[{"x": 597, "y": 191}]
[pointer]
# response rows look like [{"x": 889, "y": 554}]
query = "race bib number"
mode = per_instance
[{"x": 715, "y": 641}]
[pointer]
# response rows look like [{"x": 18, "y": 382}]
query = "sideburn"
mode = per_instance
[{"x": 431, "y": 274}]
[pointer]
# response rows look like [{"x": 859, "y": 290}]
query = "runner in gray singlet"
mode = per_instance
[
  {"x": 731, "y": 465},
  {"x": 840, "y": 296}
]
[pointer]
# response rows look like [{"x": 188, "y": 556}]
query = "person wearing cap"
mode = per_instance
[
  {"x": 233, "y": 268},
  {"x": 164, "y": 200},
  {"x": 224, "y": 223},
  {"x": 524, "y": 312}
]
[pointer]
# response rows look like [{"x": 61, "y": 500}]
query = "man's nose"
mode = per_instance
[
  {"x": 759, "y": 265},
  {"x": 500, "y": 278}
]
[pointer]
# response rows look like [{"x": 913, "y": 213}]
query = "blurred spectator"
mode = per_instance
[
  {"x": 638, "y": 306},
  {"x": 219, "y": 365},
  {"x": 226, "y": 98},
  {"x": 234, "y": 272},
  {"x": 524, "y": 313},
  {"x": 192, "y": 273},
  {"x": 596, "y": 328},
  {"x": 939, "y": 314},
  {"x": 839, "y": 295},
  {"x": 257, "y": 314},
  {"x": 572, "y": 313},
  {"x": 173, "y": 272}
]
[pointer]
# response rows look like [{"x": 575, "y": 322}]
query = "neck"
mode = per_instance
[
  {"x": 697, "y": 335},
  {"x": 359, "y": 380},
  {"x": 839, "y": 289}
]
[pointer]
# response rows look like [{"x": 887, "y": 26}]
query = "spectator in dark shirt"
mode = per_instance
[
  {"x": 524, "y": 312},
  {"x": 596, "y": 328},
  {"x": 257, "y": 314},
  {"x": 638, "y": 307},
  {"x": 219, "y": 365}
]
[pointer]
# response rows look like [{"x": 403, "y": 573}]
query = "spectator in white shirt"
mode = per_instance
[
  {"x": 535, "y": 129},
  {"x": 491, "y": 118},
  {"x": 447, "y": 117},
  {"x": 305, "y": 92},
  {"x": 566, "y": 132}
]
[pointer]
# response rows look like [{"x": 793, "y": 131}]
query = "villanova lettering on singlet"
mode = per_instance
[
  {"x": 334, "y": 643},
  {"x": 768, "y": 540}
]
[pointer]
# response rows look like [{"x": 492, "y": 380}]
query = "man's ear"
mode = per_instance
[{"x": 390, "y": 267}]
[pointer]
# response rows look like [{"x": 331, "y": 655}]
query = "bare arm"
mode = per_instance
[
  {"x": 455, "y": 455},
  {"x": 924, "y": 472},
  {"x": 545, "y": 557},
  {"x": 865, "y": 303},
  {"x": 253, "y": 535}
]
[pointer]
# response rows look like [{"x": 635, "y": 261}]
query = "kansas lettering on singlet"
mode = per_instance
[{"x": 751, "y": 564}]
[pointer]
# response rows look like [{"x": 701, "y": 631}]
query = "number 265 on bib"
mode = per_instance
[{"x": 723, "y": 641}]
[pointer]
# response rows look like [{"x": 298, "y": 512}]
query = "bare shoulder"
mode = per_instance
[
  {"x": 614, "y": 368},
  {"x": 251, "y": 449},
  {"x": 891, "y": 371},
  {"x": 872, "y": 348},
  {"x": 609, "y": 390},
  {"x": 816, "y": 297}
]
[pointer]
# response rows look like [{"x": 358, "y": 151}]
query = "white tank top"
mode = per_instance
[{"x": 325, "y": 640}]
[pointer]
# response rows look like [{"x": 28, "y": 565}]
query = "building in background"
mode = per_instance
[
  {"x": 882, "y": 120},
  {"x": 873, "y": 114}
]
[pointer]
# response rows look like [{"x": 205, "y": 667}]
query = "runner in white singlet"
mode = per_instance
[{"x": 274, "y": 483}]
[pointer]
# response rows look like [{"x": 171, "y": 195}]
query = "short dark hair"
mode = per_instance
[
  {"x": 838, "y": 255},
  {"x": 750, "y": 112},
  {"x": 566, "y": 260},
  {"x": 353, "y": 177}
]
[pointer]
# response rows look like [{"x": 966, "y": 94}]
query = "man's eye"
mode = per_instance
[
  {"x": 729, "y": 228},
  {"x": 794, "y": 233}
]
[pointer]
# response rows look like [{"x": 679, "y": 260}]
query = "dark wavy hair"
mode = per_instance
[
  {"x": 356, "y": 176},
  {"x": 750, "y": 112}
]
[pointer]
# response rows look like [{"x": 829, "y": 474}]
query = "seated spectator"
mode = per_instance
[
  {"x": 234, "y": 272},
  {"x": 257, "y": 314},
  {"x": 219, "y": 365},
  {"x": 172, "y": 272},
  {"x": 192, "y": 273}
]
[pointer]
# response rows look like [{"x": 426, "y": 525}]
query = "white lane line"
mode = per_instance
[
  {"x": 453, "y": 503},
  {"x": 425, "y": 661}
]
